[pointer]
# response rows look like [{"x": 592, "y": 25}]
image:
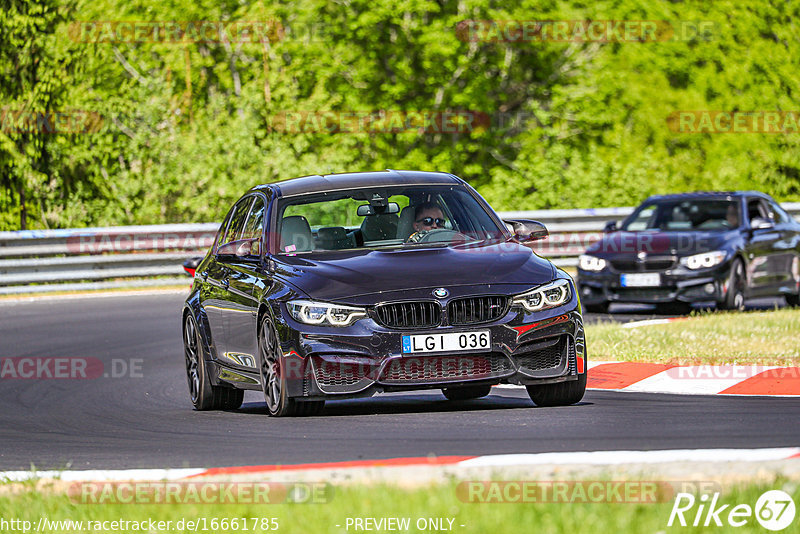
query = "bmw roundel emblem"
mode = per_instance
[{"x": 440, "y": 293}]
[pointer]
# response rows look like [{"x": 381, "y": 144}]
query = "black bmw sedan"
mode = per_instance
[
  {"x": 675, "y": 250},
  {"x": 337, "y": 286}
]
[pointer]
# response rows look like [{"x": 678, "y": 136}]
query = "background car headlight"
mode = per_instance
[
  {"x": 547, "y": 296},
  {"x": 321, "y": 313},
  {"x": 591, "y": 263},
  {"x": 704, "y": 260}
]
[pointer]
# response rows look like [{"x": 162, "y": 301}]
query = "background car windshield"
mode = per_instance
[
  {"x": 686, "y": 215},
  {"x": 331, "y": 221}
]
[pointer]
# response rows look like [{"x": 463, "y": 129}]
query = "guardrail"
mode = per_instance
[{"x": 135, "y": 256}]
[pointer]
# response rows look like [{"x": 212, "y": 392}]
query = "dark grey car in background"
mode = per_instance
[{"x": 674, "y": 250}]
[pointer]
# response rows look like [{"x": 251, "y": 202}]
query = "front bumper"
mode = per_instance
[
  {"x": 678, "y": 285},
  {"x": 526, "y": 348}
]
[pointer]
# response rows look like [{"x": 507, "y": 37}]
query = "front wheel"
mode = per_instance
[
  {"x": 559, "y": 394},
  {"x": 734, "y": 297},
  {"x": 204, "y": 395},
  {"x": 466, "y": 393},
  {"x": 273, "y": 377}
]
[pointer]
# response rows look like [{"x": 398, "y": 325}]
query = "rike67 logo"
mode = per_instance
[{"x": 774, "y": 510}]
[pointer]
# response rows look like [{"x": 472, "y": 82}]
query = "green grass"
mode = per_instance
[
  {"x": 381, "y": 501},
  {"x": 766, "y": 338}
]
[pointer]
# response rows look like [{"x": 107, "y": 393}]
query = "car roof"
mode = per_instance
[
  {"x": 709, "y": 194},
  {"x": 320, "y": 183}
]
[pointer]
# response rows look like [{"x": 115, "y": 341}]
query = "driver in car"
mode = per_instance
[{"x": 427, "y": 217}]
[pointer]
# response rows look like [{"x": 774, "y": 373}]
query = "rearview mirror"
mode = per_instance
[
  {"x": 526, "y": 230},
  {"x": 241, "y": 248},
  {"x": 611, "y": 226},
  {"x": 365, "y": 210}
]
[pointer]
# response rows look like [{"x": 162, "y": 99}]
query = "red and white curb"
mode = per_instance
[
  {"x": 639, "y": 377},
  {"x": 595, "y": 458}
]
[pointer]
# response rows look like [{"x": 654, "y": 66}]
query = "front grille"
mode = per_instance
[
  {"x": 445, "y": 368},
  {"x": 643, "y": 294},
  {"x": 571, "y": 357},
  {"x": 330, "y": 374},
  {"x": 648, "y": 265},
  {"x": 424, "y": 314},
  {"x": 475, "y": 310},
  {"x": 540, "y": 355}
]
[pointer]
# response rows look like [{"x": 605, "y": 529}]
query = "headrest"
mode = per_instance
[{"x": 295, "y": 232}]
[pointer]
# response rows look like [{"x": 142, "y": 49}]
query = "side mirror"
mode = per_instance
[
  {"x": 526, "y": 230},
  {"x": 759, "y": 223},
  {"x": 242, "y": 248},
  {"x": 611, "y": 226},
  {"x": 365, "y": 210}
]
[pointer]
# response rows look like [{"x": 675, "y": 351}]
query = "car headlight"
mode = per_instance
[
  {"x": 549, "y": 295},
  {"x": 321, "y": 313},
  {"x": 591, "y": 263},
  {"x": 704, "y": 260}
]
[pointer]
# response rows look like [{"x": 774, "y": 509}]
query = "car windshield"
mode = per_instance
[
  {"x": 403, "y": 216},
  {"x": 685, "y": 215}
]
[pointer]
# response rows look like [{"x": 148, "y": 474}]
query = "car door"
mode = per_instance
[
  {"x": 762, "y": 247},
  {"x": 244, "y": 276},
  {"x": 785, "y": 249},
  {"x": 215, "y": 296}
]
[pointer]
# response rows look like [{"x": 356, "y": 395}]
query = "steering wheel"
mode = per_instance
[{"x": 437, "y": 235}]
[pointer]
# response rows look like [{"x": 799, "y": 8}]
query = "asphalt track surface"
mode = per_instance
[{"x": 146, "y": 420}]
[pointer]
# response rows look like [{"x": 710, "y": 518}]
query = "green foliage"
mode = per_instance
[{"x": 188, "y": 127}]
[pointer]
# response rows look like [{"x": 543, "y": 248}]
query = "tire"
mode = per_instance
[
  {"x": 560, "y": 394},
  {"x": 793, "y": 301},
  {"x": 273, "y": 379},
  {"x": 601, "y": 307},
  {"x": 737, "y": 283},
  {"x": 203, "y": 394},
  {"x": 466, "y": 392}
]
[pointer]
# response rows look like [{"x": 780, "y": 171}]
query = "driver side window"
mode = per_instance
[{"x": 236, "y": 224}]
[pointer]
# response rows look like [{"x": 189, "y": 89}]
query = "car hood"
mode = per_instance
[
  {"x": 656, "y": 243},
  {"x": 369, "y": 276}
]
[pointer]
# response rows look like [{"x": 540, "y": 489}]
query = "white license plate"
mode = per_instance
[
  {"x": 455, "y": 341},
  {"x": 640, "y": 280}
]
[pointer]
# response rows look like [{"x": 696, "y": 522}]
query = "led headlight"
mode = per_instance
[
  {"x": 704, "y": 260},
  {"x": 591, "y": 263},
  {"x": 549, "y": 295},
  {"x": 321, "y": 313}
]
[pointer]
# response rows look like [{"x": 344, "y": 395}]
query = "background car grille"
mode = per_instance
[
  {"x": 409, "y": 314},
  {"x": 649, "y": 264},
  {"x": 540, "y": 355},
  {"x": 644, "y": 294},
  {"x": 474, "y": 310},
  {"x": 446, "y": 368}
]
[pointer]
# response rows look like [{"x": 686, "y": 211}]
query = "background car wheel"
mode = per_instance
[
  {"x": 601, "y": 307},
  {"x": 560, "y": 394},
  {"x": 466, "y": 393},
  {"x": 734, "y": 297},
  {"x": 203, "y": 394},
  {"x": 793, "y": 300}
]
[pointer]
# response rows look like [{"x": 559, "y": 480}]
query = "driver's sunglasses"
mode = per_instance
[{"x": 428, "y": 221}]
